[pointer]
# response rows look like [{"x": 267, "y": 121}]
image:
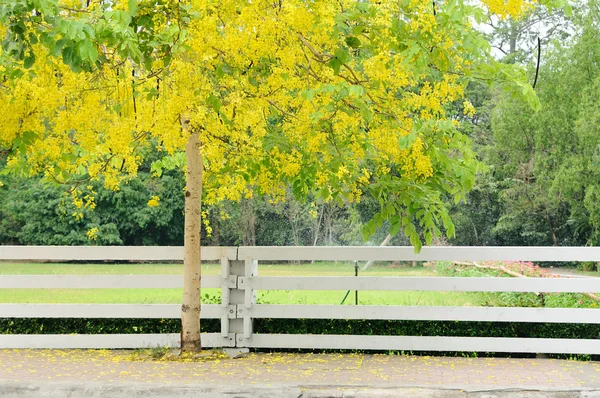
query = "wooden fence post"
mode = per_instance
[{"x": 236, "y": 299}]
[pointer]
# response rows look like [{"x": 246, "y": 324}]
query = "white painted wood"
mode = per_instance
[
  {"x": 111, "y": 253},
  {"x": 423, "y": 343},
  {"x": 476, "y": 314},
  {"x": 273, "y": 253},
  {"x": 167, "y": 311},
  {"x": 245, "y": 308},
  {"x": 428, "y": 253},
  {"x": 392, "y": 283},
  {"x": 114, "y": 341},
  {"x": 225, "y": 296},
  {"x": 100, "y": 281},
  {"x": 247, "y": 327},
  {"x": 224, "y": 267},
  {"x": 248, "y": 295},
  {"x": 224, "y": 325}
]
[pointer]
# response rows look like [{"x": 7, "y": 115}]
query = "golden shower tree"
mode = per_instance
[{"x": 334, "y": 99}]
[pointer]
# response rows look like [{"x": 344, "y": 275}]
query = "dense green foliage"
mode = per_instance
[
  {"x": 541, "y": 186},
  {"x": 303, "y": 326},
  {"x": 34, "y": 212}
]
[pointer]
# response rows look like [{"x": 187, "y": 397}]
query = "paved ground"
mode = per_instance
[{"x": 74, "y": 373}]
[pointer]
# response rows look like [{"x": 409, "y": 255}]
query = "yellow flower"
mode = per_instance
[
  {"x": 154, "y": 202},
  {"x": 92, "y": 234},
  {"x": 468, "y": 108}
]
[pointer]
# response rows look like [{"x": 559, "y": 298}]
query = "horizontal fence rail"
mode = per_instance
[
  {"x": 109, "y": 253},
  {"x": 411, "y": 283},
  {"x": 141, "y": 311},
  {"x": 98, "y": 341},
  {"x": 473, "y": 314},
  {"x": 100, "y": 281},
  {"x": 301, "y": 253},
  {"x": 239, "y": 281},
  {"x": 428, "y": 253},
  {"x": 423, "y": 343}
]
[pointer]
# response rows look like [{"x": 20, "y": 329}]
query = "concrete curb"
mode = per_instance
[
  {"x": 135, "y": 390},
  {"x": 445, "y": 393},
  {"x": 138, "y": 390}
]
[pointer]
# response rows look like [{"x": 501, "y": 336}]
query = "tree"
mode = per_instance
[
  {"x": 339, "y": 99},
  {"x": 544, "y": 161}
]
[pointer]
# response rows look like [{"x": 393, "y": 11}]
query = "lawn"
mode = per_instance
[{"x": 173, "y": 296}]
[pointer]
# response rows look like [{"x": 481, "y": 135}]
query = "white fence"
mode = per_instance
[{"x": 239, "y": 281}]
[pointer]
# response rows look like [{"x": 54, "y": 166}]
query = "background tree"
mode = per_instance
[{"x": 546, "y": 158}]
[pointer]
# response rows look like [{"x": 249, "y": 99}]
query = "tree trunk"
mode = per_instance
[
  {"x": 190, "y": 308},
  {"x": 248, "y": 222},
  {"x": 384, "y": 243},
  {"x": 514, "y": 32},
  {"x": 292, "y": 218}
]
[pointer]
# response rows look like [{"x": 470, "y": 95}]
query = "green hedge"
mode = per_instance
[
  {"x": 308, "y": 326},
  {"x": 428, "y": 328},
  {"x": 97, "y": 326}
]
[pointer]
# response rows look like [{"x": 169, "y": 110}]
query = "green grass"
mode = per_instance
[
  {"x": 320, "y": 268},
  {"x": 371, "y": 298},
  {"x": 587, "y": 273},
  {"x": 173, "y": 296},
  {"x": 88, "y": 296},
  {"x": 99, "y": 269}
]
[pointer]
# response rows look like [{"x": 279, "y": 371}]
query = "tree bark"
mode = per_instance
[
  {"x": 248, "y": 222},
  {"x": 190, "y": 308}
]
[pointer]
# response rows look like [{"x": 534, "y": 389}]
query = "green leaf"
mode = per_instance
[
  {"x": 428, "y": 238},
  {"x": 417, "y": 244},
  {"x": 450, "y": 231},
  {"x": 352, "y": 41},
  {"x": 88, "y": 51},
  {"x": 152, "y": 93},
  {"x": 28, "y": 137},
  {"x": 133, "y": 8},
  {"x": 33, "y": 38},
  {"x": 410, "y": 230},
  {"x": 148, "y": 63},
  {"x": 406, "y": 141},
  {"x": 67, "y": 55},
  {"x": 335, "y": 64},
  {"x": 342, "y": 55},
  {"x": 357, "y": 30},
  {"x": 322, "y": 194},
  {"x": 395, "y": 225},
  {"x": 356, "y": 91},
  {"x": 145, "y": 20},
  {"x": 369, "y": 229},
  {"x": 365, "y": 111},
  {"x": 29, "y": 60},
  {"x": 93, "y": 53},
  {"x": 214, "y": 102}
]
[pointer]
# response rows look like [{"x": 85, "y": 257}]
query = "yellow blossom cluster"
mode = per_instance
[
  {"x": 92, "y": 233},
  {"x": 509, "y": 8},
  {"x": 320, "y": 96},
  {"x": 154, "y": 201}
]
